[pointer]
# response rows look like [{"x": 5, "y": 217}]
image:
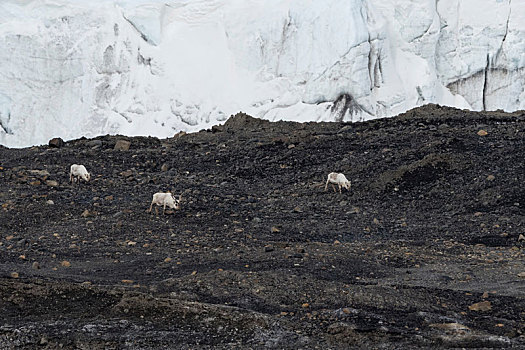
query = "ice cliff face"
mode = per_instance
[{"x": 74, "y": 68}]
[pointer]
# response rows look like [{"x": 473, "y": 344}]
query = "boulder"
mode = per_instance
[
  {"x": 56, "y": 142},
  {"x": 122, "y": 145}
]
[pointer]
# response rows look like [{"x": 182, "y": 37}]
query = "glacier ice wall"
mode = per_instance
[{"x": 73, "y": 68}]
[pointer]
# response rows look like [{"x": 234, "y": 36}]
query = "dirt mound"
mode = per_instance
[
  {"x": 244, "y": 122},
  {"x": 423, "y": 172}
]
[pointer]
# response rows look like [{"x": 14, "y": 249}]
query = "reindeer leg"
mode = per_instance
[
  {"x": 333, "y": 186},
  {"x": 157, "y": 210},
  {"x": 326, "y": 186},
  {"x": 340, "y": 188},
  {"x": 150, "y": 207},
  {"x": 164, "y": 209}
]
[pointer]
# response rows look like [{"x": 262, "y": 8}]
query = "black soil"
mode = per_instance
[{"x": 423, "y": 251}]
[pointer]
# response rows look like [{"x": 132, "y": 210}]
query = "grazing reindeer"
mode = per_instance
[
  {"x": 165, "y": 200},
  {"x": 339, "y": 180},
  {"x": 78, "y": 172}
]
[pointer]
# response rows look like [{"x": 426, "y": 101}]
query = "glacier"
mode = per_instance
[{"x": 73, "y": 68}]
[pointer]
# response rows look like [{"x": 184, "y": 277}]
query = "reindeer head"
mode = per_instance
[{"x": 177, "y": 202}]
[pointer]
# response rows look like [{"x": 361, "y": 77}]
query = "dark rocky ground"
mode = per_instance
[{"x": 424, "y": 250}]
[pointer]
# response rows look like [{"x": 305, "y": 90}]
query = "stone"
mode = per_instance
[
  {"x": 41, "y": 173},
  {"x": 122, "y": 145},
  {"x": 14, "y": 274},
  {"x": 56, "y": 142},
  {"x": 491, "y": 178},
  {"x": 50, "y": 202},
  {"x": 165, "y": 167},
  {"x": 275, "y": 229},
  {"x": 127, "y": 173},
  {"x": 94, "y": 143},
  {"x": 355, "y": 210},
  {"x": 35, "y": 266},
  {"x": 482, "y": 133},
  {"x": 521, "y": 274},
  {"x": 52, "y": 183},
  {"x": 521, "y": 238},
  {"x": 65, "y": 263},
  {"x": 481, "y": 306}
]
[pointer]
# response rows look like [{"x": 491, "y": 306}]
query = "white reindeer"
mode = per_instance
[
  {"x": 339, "y": 180},
  {"x": 78, "y": 172},
  {"x": 166, "y": 200}
]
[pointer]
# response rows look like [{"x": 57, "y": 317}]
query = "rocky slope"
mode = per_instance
[{"x": 424, "y": 251}]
